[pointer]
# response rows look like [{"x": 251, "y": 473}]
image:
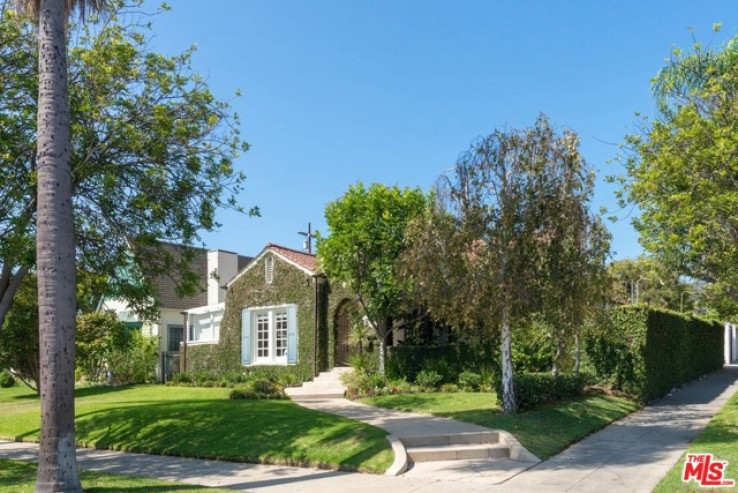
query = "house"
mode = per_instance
[
  {"x": 203, "y": 310},
  {"x": 280, "y": 315}
]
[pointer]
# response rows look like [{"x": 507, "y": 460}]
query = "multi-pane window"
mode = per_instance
[
  {"x": 280, "y": 334},
  {"x": 262, "y": 335},
  {"x": 269, "y": 335}
]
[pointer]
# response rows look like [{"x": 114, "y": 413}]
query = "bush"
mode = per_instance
[
  {"x": 98, "y": 334},
  {"x": 428, "y": 379},
  {"x": 470, "y": 381},
  {"x": 257, "y": 389},
  {"x": 7, "y": 380},
  {"x": 449, "y": 387},
  {"x": 533, "y": 389},
  {"x": 178, "y": 378},
  {"x": 135, "y": 363},
  {"x": 648, "y": 352}
]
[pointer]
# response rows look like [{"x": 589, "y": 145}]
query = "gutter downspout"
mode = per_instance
[{"x": 315, "y": 326}]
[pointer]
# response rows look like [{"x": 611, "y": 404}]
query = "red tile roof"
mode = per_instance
[{"x": 302, "y": 259}]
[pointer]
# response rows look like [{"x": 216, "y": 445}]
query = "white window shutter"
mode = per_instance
[
  {"x": 291, "y": 334},
  {"x": 246, "y": 336}
]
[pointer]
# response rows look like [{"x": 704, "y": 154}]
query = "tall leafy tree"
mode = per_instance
[
  {"x": 366, "y": 228},
  {"x": 682, "y": 170},
  {"x": 152, "y": 154},
  {"x": 507, "y": 235},
  {"x": 55, "y": 254}
]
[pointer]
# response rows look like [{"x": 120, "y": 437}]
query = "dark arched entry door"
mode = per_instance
[{"x": 342, "y": 336}]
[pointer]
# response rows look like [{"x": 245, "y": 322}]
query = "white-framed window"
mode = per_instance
[
  {"x": 269, "y": 335},
  {"x": 204, "y": 324}
]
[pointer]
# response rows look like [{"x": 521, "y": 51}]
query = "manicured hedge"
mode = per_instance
[
  {"x": 647, "y": 352},
  {"x": 533, "y": 389}
]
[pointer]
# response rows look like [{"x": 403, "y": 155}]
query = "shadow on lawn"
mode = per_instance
[{"x": 240, "y": 431}]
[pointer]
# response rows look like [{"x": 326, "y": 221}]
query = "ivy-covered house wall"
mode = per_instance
[{"x": 290, "y": 286}]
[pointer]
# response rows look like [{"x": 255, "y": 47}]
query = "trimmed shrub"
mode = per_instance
[
  {"x": 648, "y": 352},
  {"x": 533, "y": 389},
  {"x": 6, "y": 379},
  {"x": 257, "y": 389},
  {"x": 428, "y": 379},
  {"x": 470, "y": 381}
]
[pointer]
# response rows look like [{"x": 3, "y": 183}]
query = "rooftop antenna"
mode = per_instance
[{"x": 308, "y": 243}]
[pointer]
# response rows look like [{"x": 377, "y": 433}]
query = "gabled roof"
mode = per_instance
[
  {"x": 306, "y": 262},
  {"x": 165, "y": 285}
]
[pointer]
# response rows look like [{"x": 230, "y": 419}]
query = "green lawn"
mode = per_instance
[
  {"x": 720, "y": 438},
  {"x": 199, "y": 422},
  {"x": 544, "y": 431},
  {"x": 20, "y": 477}
]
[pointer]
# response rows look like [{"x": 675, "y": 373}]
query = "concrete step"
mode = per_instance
[
  {"x": 486, "y": 437},
  {"x": 458, "y": 452},
  {"x": 327, "y": 385}
]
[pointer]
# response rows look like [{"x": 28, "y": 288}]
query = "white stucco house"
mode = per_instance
[{"x": 202, "y": 312}]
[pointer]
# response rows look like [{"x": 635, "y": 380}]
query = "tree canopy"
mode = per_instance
[
  {"x": 509, "y": 236},
  {"x": 153, "y": 153},
  {"x": 682, "y": 170},
  {"x": 366, "y": 228}
]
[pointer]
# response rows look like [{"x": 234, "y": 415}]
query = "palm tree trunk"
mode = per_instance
[
  {"x": 509, "y": 402},
  {"x": 57, "y": 464}
]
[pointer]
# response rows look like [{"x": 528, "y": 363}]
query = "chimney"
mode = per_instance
[{"x": 222, "y": 267}]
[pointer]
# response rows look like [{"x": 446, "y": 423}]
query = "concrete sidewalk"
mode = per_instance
[{"x": 630, "y": 455}]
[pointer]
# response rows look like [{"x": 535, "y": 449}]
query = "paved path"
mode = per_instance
[{"x": 628, "y": 456}]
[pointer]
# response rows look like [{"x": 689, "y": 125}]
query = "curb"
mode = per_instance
[{"x": 398, "y": 449}]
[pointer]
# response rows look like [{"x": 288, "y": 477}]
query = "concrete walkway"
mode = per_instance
[{"x": 628, "y": 456}]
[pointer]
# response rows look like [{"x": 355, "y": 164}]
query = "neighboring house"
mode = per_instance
[
  {"x": 203, "y": 310},
  {"x": 280, "y": 315}
]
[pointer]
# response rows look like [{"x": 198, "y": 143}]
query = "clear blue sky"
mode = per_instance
[{"x": 341, "y": 91}]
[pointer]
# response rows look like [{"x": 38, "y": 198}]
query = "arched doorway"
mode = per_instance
[{"x": 343, "y": 347}]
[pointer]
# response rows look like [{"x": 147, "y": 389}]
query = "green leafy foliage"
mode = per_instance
[
  {"x": 534, "y": 389},
  {"x": 19, "y": 347},
  {"x": 98, "y": 335},
  {"x": 7, "y": 379},
  {"x": 366, "y": 232},
  {"x": 470, "y": 381},
  {"x": 135, "y": 362},
  {"x": 428, "y": 379},
  {"x": 257, "y": 389},
  {"x": 648, "y": 352},
  {"x": 511, "y": 235},
  {"x": 681, "y": 169},
  {"x": 153, "y": 152}
]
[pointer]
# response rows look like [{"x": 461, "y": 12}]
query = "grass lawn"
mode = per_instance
[
  {"x": 544, "y": 431},
  {"x": 199, "y": 422},
  {"x": 20, "y": 477},
  {"x": 720, "y": 438}
]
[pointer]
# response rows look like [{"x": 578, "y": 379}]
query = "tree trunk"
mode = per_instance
[
  {"x": 509, "y": 402},
  {"x": 382, "y": 353},
  {"x": 57, "y": 462},
  {"x": 557, "y": 356},
  {"x": 577, "y": 354},
  {"x": 9, "y": 284}
]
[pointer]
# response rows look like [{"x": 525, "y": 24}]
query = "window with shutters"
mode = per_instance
[{"x": 270, "y": 336}]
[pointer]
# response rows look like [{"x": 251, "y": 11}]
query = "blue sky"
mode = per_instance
[{"x": 336, "y": 92}]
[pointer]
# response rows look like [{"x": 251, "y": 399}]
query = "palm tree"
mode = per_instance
[{"x": 55, "y": 260}]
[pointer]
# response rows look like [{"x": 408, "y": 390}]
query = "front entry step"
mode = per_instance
[{"x": 327, "y": 385}]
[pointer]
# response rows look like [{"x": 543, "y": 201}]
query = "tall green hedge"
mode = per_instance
[{"x": 646, "y": 352}]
